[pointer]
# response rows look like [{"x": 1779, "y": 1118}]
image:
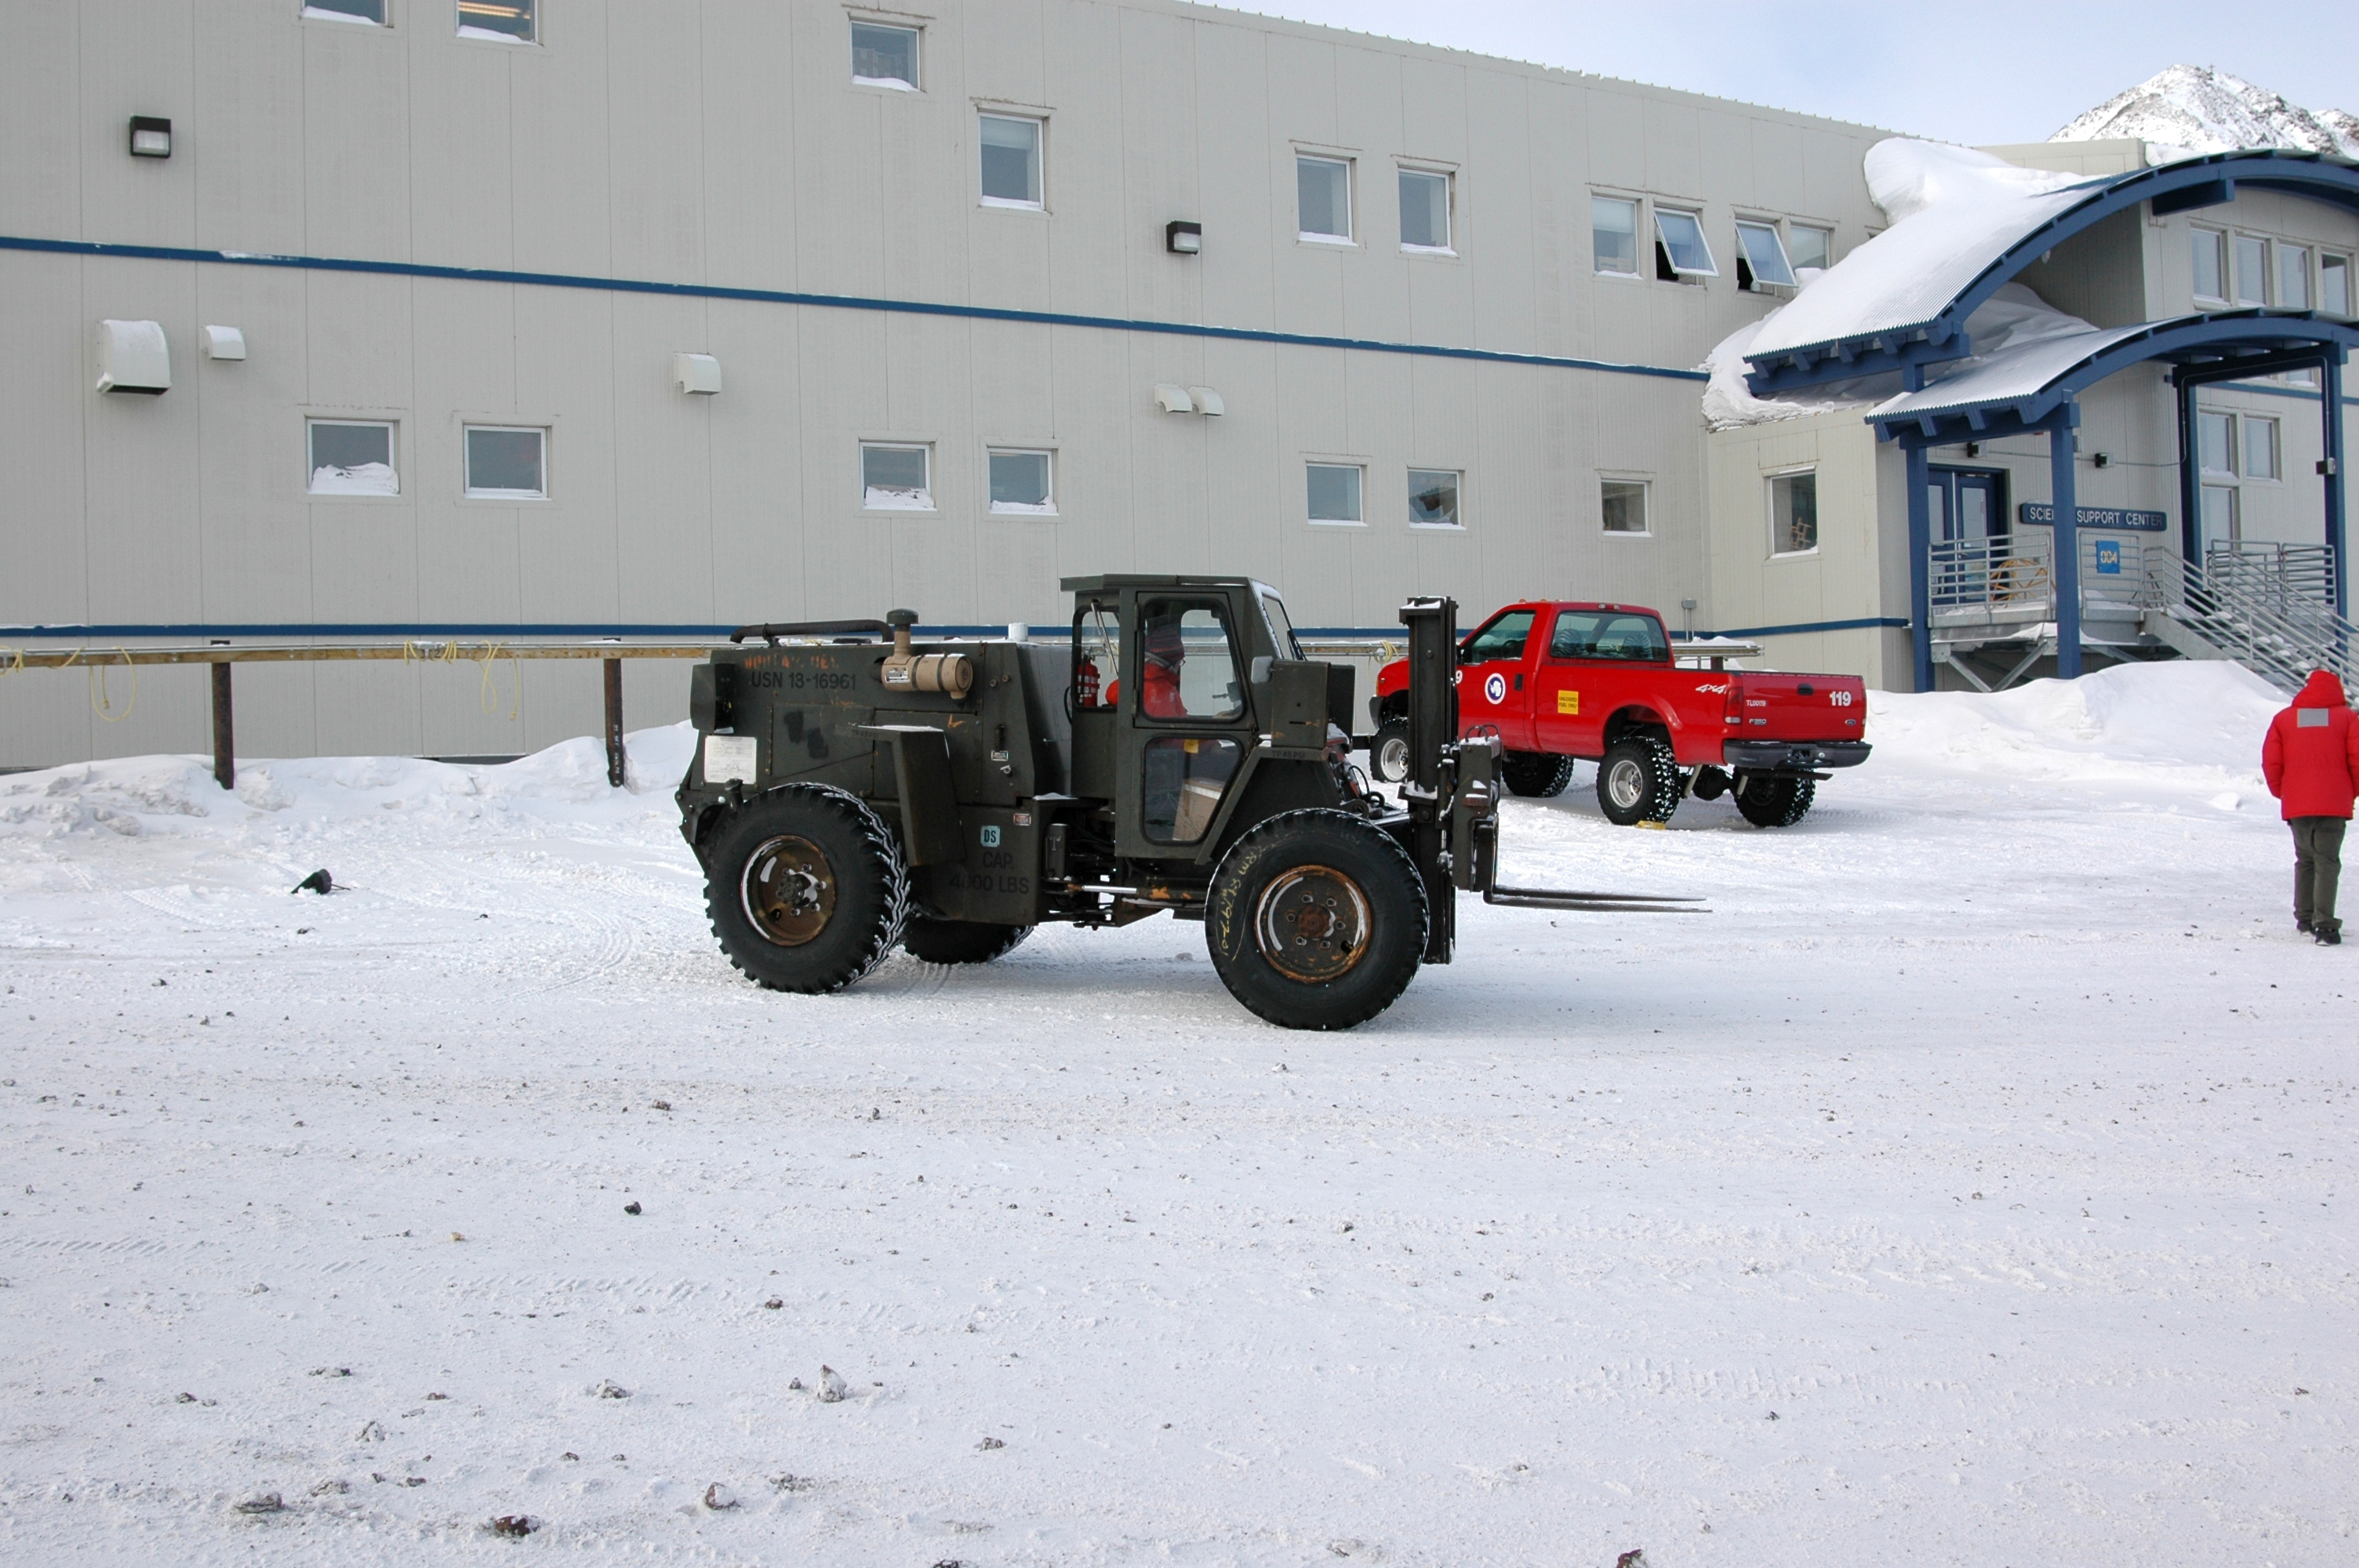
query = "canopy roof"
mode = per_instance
[{"x": 1903, "y": 299}]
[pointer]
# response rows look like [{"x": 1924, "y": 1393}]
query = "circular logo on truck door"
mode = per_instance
[{"x": 1495, "y": 689}]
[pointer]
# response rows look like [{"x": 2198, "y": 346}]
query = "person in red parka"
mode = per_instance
[{"x": 2311, "y": 760}]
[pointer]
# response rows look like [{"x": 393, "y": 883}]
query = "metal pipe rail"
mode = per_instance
[{"x": 221, "y": 655}]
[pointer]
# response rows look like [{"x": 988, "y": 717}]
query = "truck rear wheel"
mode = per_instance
[
  {"x": 1769, "y": 801},
  {"x": 1388, "y": 753},
  {"x": 1535, "y": 773},
  {"x": 935, "y": 941},
  {"x": 806, "y": 890},
  {"x": 1317, "y": 920},
  {"x": 1638, "y": 781}
]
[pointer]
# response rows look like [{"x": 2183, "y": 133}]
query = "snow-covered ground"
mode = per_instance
[{"x": 1967, "y": 1187}]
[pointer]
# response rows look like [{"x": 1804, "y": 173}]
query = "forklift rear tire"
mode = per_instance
[
  {"x": 1388, "y": 753},
  {"x": 806, "y": 890},
  {"x": 1317, "y": 920},
  {"x": 1769, "y": 801},
  {"x": 935, "y": 941},
  {"x": 1535, "y": 773},
  {"x": 1638, "y": 781}
]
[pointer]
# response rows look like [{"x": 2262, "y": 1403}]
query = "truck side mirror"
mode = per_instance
[{"x": 1261, "y": 668}]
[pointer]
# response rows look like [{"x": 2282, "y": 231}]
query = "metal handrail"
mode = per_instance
[{"x": 2265, "y": 605}]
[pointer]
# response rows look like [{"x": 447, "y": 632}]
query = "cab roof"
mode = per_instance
[{"x": 1156, "y": 579}]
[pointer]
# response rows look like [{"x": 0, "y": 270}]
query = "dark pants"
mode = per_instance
[{"x": 2317, "y": 867}]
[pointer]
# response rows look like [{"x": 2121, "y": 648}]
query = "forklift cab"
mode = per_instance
[{"x": 1169, "y": 694}]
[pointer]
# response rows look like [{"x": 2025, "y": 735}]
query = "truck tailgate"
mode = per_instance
[{"x": 1773, "y": 706}]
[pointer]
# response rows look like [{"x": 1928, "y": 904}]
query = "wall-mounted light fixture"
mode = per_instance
[
  {"x": 1208, "y": 402},
  {"x": 151, "y": 138},
  {"x": 133, "y": 357},
  {"x": 1182, "y": 238},
  {"x": 698, "y": 373},
  {"x": 1173, "y": 399},
  {"x": 220, "y": 344}
]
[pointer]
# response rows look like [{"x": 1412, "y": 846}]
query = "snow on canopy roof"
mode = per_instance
[
  {"x": 1954, "y": 212},
  {"x": 2016, "y": 376}
]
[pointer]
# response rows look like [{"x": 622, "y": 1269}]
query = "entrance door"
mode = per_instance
[{"x": 1968, "y": 510}]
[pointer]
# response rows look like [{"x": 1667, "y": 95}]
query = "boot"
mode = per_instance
[
  {"x": 2303, "y": 925},
  {"x": 2329, "y": 937}
]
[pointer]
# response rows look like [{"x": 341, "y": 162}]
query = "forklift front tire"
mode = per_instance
[{"x": 1317, "y": 920}]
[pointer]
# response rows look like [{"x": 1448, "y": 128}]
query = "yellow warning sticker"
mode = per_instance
[{"x": 1568, "y": 702}]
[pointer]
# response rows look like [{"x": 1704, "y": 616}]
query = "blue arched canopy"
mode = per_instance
[{"x": 1898, "y": 329}]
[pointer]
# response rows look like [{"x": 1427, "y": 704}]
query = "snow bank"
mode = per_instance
[{"x": 2184, "y": 727}]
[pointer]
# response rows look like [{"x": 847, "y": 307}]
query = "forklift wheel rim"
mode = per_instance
[
  {"x": 1625, "y": 783},
  {"x": 789, "y": 889},
  {"x": 1312, "y": 925}
]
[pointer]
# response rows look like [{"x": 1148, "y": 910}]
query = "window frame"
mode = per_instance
[
  {"x": 468, "y": 491},
  {"x": 2233, "y": 447},
  {"x": 994, "y": 507},
  {"x": 493, "y": 35},
  {"x": 1038, "y": 120},
  {"x": 1135, "y": 661},
  {"x": 1793, "y": 228},
  {"x": 303, "y": 13},
  {"x": 2340, "y": 262},
  {"x": 2223, "y": 254},
  {"x": 1757, "y": 284},
  {"x": 1646, "y": 483},
  {"x": 1637, "y": 225},
  {"x": 2284, "y": 252},
  {"x": 1457, "y": 524},
  {"x": 2237, "y": 240},
  {"x": 1360, "y": 492},
  {"x": 1692, "y": 278},
  {"x": 917, "y": 54},
  {"x": 2245, "y": 425},
  {"x": 1349, "y": 237},
  {"x": 1449, "y": 178},
  {"x": 933, "y": 505},
  {"x": 392, "y": 424},
  {"x": 1770, "y": 482}
]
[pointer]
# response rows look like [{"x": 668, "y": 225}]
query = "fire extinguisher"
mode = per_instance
[{"x": 1086, "y": 683}]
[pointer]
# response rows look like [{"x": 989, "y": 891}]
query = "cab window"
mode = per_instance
[
  {"x": 1502, "y": 639},
  {"x": 1097, "y": 656},
  {"x": 1187, "y": 667},
  {"x": 1609, "y": 634}
]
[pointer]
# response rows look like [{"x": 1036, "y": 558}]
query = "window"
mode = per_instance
[
  {"x": 1502, "y": 639},
  {"x": 1322, "y": 191},
  {"x": 508, "y": 462},
  {"x": 2219, "y": 519},
  {"x": 1020, "y": 483},
  {"x": 1808, "y": 246},
  {"x": 369, "y": 11},
  {"x": 502, "y": 21},
  {"x": 1433, "y": 498},
  {"x": 2334, "y": 285},
  {"x": 2293, "y": 277},
  {"x": 352, "y": 458},
  {"x": 2210, "y": 264},
  {"x": 1334, "y": 492},
  {"x": 1185, "y": 778},
  {"x": 1609, "y": 634},
  {"x": 2252, "y": 270},
  {"x": 1186, "y": 669},
  {"x": 1679, "y": 249},
  {"x": 1424, "y": 209},
  {"x": 2215, "y": 442},
  {"x": 1760, "y": 258},
  {"x": 1011, "y": 161},
  {"x": 884, "y": 57},
  {"x": 1794, "y": 513},
  {"x": 895, "y": 478},
  {"x": 1613, "y": 235},
  {"x": 1622, "y": 502},
  {"x": 2260, "y": 447}
]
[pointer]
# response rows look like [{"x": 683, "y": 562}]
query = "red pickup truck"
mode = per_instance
[{"x": 1560, "y": 681}]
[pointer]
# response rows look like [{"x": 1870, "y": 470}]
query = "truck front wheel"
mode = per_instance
[
  {"x": 1317, "y": 920},
  {"x": 1638, "y": 781},
  {"x": 935, "y": 941},
  {"x": 1535, "y": 773},
  {"x": 806, "y": 888},
  {"x": 1769, "y": 801}
]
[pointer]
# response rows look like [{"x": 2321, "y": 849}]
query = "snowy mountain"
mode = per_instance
[{"x": 2207, "y": 111}]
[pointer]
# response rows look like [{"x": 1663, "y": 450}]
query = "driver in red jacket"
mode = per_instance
[{"x": 2311, "y": 760}]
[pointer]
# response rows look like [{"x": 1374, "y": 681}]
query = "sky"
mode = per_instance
[{"x": 1997, "y": 71}]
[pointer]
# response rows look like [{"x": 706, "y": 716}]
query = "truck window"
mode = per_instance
[
  {"x": 1502, "y": 639},
  {"x": 1608, "y": 634},
  {"x": 1097, "y": 656},
  {"x": 1281, "y": 628},
  {"x": 1187, "y": 669}
]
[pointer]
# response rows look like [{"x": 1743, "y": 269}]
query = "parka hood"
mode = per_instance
[{"x": 2323, "y": 689}]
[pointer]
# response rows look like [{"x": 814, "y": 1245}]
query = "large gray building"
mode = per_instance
[{"x": 490, "y": 317}]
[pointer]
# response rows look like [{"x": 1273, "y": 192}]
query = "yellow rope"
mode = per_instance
[
  {"x": 16, "y": 662},
  {"x": 100, "y": 702}
]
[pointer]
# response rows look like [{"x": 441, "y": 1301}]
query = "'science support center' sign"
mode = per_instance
[{"x": 2042, "y": 515}]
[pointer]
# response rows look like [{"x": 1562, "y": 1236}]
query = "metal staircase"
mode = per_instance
[{"x": 2269, "y": 607}]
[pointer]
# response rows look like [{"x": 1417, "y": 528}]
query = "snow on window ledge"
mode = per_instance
[
  {"x": 1407, "y": 248},
  {"x": 894, "y": 82},
  {"x": 364, "y": 479},
  {"x": 1023, "y": 508},
  {"x": 490, "y": 494},
  {"x": 893, "y": 498},
  {"x": 321, "y": 13},
  {"x": 1308, "y": 238},
  {"x": 491, "y": 34}
]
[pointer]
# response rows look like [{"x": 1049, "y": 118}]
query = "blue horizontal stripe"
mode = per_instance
[
  {"x": 1863, "y": 624},
  {"x": 831, "y": 302}
]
